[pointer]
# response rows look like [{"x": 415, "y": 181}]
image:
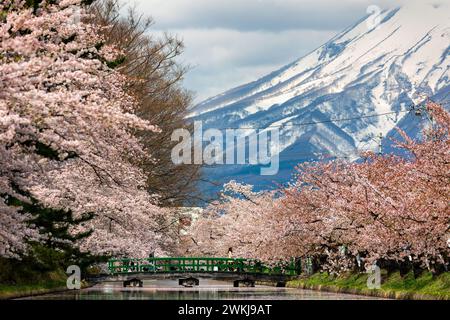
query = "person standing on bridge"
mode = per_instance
[
  {"x": 230, "y": 256},
  {"x": 152, "y": 263}
]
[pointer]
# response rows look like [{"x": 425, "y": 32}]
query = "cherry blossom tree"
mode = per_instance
[
  {"x": 240, "y": 220},
  {"x": 67, "y": 132},
  {"x": 387, "y": 209}
]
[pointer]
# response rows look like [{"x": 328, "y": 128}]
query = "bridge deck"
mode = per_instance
[
  {"x": 198, "y": 275},
  {"x": 180, "y": 265}
]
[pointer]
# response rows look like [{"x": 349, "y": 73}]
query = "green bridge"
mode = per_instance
[{"x": 176, "y": 265}]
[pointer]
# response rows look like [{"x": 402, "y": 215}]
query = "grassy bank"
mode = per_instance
[
  {"x": 41, "y": 272},
  {"x": 25, "y": 286},
  {"x": 25, "y": 290},
  {"x": 392, "y": 286}
]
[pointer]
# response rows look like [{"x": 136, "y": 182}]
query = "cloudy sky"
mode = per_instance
[{"x": 232, "y": 42}]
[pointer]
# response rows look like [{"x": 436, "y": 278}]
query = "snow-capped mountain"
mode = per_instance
[{"x": 362, "y": 72}]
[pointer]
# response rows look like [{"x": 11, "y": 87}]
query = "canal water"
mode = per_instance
[{"x": 207, "y": 290}]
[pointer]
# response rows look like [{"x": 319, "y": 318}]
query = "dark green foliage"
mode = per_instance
[
  {"x": 116, "y": 63},
  {"x": 35, "y": 3},
  {"x": 100, "y": 45},
  {"x": 43, "y": 150},
  {"x": 43, "y": 264},
  {"x": 69, "y": 39},
  {"x": 47, "y": 151},
  {"x": 29, "y": 270},
  {"x": 56, "y": 252}
]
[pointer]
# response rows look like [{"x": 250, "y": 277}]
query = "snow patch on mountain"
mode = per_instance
[{"x": 359, "y": 73}]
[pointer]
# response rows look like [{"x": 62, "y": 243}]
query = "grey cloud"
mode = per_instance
[
  {"x": 253, "y": 15},
  {"x": 231, "y": 42},
  {"x": 224, "y": 58},
  {"x": 222, "y": 46}
]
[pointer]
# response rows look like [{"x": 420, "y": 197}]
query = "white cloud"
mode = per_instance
[{"x": 223, "y": 58}]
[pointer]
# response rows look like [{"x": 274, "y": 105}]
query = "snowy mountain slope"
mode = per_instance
[
  {"x": 413, "y": 124},
  {"x": 359, "y": 72}
]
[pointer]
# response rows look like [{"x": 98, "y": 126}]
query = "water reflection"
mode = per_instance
[{"x": 208, "y": 290}]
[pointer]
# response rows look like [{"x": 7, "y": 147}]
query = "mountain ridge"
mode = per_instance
[{"x": 361, "y": 71}]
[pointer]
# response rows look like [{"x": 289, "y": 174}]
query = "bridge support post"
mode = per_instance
[
  {"x": 135, "y": 282},
  {"x": 243, "y": 283},
  {"x": 189, "y": 282}
]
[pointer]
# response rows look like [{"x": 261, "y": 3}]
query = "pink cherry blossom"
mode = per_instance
[
  {"x": 56, "y": 90},
  {"x": 345, "y": 215}
]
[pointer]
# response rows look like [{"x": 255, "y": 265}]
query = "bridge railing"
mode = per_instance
[{"x": 199, "y": 265}]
